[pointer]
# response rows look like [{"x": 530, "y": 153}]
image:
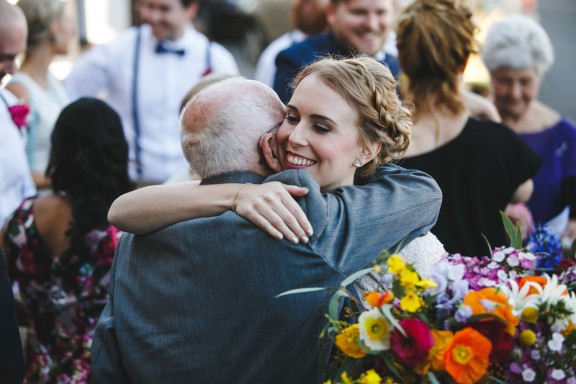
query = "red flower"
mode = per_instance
[
  {"x": 412, "y": 349},
  {"x": 497, "y": 332},
  {"x": 19, "y": 113}
]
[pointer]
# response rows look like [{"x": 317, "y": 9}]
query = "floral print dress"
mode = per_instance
[{"x": 63, "y": 296}]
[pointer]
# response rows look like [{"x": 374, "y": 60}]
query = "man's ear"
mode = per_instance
[
  {"x": 192, "y": 10},
  {"x": 269, "y": 149}
]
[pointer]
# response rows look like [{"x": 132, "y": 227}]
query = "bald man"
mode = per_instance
[{"x": 15, "y": 184}]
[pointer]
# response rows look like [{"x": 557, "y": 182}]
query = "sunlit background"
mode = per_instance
[{"x": 99, "y": 21}]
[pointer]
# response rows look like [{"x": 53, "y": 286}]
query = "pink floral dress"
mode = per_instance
[{"x": 63, "y": 296}]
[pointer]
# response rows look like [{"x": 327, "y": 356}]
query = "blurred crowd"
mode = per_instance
[{"x": 70, "y": 148}]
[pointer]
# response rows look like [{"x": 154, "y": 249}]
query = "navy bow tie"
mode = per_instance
[{"x": 162, "y": 48}]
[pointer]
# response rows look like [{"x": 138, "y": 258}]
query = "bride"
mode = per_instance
[{"x": 344, "y": 120}]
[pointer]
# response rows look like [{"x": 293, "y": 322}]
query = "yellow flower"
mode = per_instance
[
  {"x": 409, "y": 278},
  {"x": 389, "y": 381},
  {"x": 345, "y": 378},
  {"x": 527, "y": 338},
  {"x": 378, "y": 268},
  {"x": 348, "y": 343},
  {"x": 411, "y": 302},
  {"x": 530, "y": 314},
  {"x": 396, "y": 264},
  {"x": 327, "y": 382},
  {"x": 370, "y": 377},
  {"x": 426, "y": 283}
]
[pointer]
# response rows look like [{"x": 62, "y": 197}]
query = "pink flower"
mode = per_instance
[
  {"x": 412, "y": 349},
  {"x": 19, "y": 113}
]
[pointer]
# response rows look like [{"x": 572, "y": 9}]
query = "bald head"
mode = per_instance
[
  {"x": 13, "y": 33},
  {"x": 221, "y": 126}
]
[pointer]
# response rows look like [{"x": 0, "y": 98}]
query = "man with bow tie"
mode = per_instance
[{"x": 144, "y": 74}]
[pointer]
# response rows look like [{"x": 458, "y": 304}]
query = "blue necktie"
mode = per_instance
[{"x": 162, "y": 48}]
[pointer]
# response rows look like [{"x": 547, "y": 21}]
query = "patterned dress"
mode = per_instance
[{"x": 63, "y": 296}]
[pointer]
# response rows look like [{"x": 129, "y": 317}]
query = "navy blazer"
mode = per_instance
[
  {"x": 291, "y": 60},
  {"x": 197, "y": 302}
]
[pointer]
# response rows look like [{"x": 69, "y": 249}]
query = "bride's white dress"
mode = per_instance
[{"x": 422, "y": 252}]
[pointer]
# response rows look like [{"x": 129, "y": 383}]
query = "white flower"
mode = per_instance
[
  {"x": 493, "y": 265},
  {"x": 556, "y": 343},
  {"x": 535, "y": 355},
  {"x": 498, "y": 256},
  {"x": 528, "y": 375},
  {"x": 513, "y": 260},
  {"x": 374, "y": 330},
  {"x": 557, "y": 374},
  {"x": 526, "y": 255},
  {"x": 520, "y": 299}
]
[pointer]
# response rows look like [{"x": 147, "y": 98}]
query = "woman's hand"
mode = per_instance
[
  {"x": 569, "y": 234},
  {"x": 271, "y": 206}
]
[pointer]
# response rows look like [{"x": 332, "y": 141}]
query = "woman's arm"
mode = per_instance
[
  {"x": 523, "y": 192},
  {"x": 270, "y": 206}
]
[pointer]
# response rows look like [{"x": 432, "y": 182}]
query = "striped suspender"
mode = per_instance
[{"x": 135, "y": 115}]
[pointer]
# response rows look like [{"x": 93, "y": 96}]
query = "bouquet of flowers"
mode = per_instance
[{"x": 470, "y": 320}]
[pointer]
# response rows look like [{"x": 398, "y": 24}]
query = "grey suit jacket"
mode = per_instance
[{"x": 196, "y": 302}]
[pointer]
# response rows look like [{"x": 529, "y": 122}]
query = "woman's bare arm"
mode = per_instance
[{"x": 270, "y": 206}]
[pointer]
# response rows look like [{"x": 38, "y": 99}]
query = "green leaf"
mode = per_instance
[
  {"x": 334, "y": 306},
  {"x": 391, "y": 319},
  {"x": 515, "y": 236},
  {"x": 496, "y": 380},
  {"x": 302, "y": 290},
  {"x": 350, "y": 279},
  {"x": 433, "y": 378}
]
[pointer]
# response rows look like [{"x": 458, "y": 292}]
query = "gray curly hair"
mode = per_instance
[{"x": 517, "y": 42}]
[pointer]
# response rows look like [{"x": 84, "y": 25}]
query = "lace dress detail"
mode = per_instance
[{"x": 422, "y": 252}]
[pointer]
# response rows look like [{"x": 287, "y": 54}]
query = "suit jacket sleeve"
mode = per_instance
[
  {"x": 354, "y": 224},
  {"x": 106, "y": 357}
]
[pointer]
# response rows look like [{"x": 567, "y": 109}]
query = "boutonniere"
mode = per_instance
[{"x": 19, "y": 113}]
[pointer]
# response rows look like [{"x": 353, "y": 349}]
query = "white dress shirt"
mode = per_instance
[
  {"x": 15, "y": 179},
  {"x": 162, "y": 82},
  {"x": 266, "y": 66}
]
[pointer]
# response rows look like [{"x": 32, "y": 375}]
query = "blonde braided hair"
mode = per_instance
[{"x": 370, "y": 89}]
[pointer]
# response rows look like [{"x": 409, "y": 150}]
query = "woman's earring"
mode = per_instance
[{"x": 357, "y": 163}]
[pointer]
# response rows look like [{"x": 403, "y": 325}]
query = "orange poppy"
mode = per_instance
[
  {"x": 540, "y": 280},
  {"x": 475, "y": 299},
  {"x": 468, "y": 356}
]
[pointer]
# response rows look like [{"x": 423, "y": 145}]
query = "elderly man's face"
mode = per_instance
[{"x": 12, "y": 44}]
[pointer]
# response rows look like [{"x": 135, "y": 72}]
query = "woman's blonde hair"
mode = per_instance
[
  {"x": 434, "y": 40},
  {"x": 40, "y": 14},
  {"x": 369, "y": 88}
]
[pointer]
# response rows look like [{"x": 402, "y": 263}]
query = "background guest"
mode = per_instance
[
  {"x": 356, "y": 26},
  {"x": 60, "y": 247},
  {"x": 480, "y": 166},
  {"x": 15, "y": 179},
  {"x": 518, "y": 52},
  {"x": 308, "y": 18},
  {"x": 51, "y": 29},
  {"x": 146, "y": 72}
]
